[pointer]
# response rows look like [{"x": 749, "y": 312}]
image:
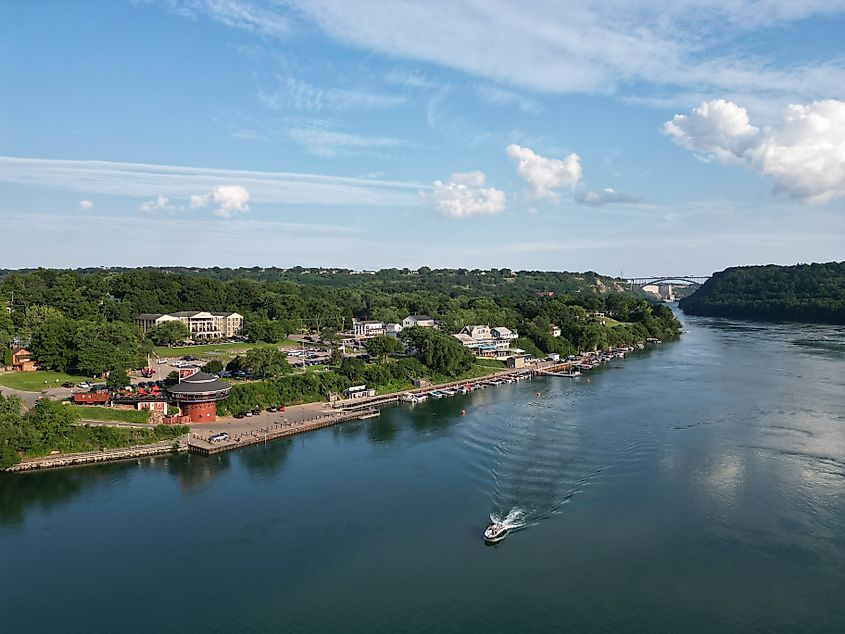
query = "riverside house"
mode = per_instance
[{"x": 484, "y": 341}]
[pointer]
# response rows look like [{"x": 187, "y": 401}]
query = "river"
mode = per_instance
[{"x": 695, "y": 487}]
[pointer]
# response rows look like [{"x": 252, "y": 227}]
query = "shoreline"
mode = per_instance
[{"x": 244, "y": 435}]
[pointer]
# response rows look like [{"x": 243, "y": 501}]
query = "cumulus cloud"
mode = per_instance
[
  {"x": 464, "y": 195},
  {"x": 805, "y": 154},
  {"x": 229, "y": 200},
  {"x": 544, "y": 175},
  {"x": 716, "y": 128},
  {"x": 86, "y": 204},
  {"x": 159, "y": 203},
  {"x": 607, "y": 196}
]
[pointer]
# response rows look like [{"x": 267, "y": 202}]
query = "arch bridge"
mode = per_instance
[{"x": 639, "y": 282}]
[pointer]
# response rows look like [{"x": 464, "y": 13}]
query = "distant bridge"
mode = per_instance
[{"x": 639, "y": 282}]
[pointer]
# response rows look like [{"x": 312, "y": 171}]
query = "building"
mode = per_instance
[
  {"x": 365, "y": 329},
  {"x": 201, "y": 324},
  {"x": 197, "y": 396},
  {"x": 515, "y": 362},
  {"x": 485, "y": 341},
  {"x": 554, "y": 330},
  {"x": 423, "y": 321},
  {"x": 359, "y": 391},
  {"x": 22, "y": 361},
  {"x": 393, "y": 330}
]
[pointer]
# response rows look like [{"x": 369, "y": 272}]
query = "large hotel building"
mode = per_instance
[{"x": 201, "y": 324}]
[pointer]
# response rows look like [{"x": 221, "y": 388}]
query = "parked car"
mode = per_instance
[
  {"x": 248, "y": 414},
  {"x": 272, "y": 408},
  {"x": 85, "y": 385},
  {"x": 68, "y": 384},
  {"x": 240, "y": 415},
  {"x": 256, "y": 411}
]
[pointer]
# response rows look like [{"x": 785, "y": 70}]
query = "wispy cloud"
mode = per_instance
[
  {"x": 498, "y": 96},
  {"x": 607, "y": 196},
  {"x": 144, "y": 180},
  {"x": 292, "y": 93},
  {"x": 321, "y": 139}
]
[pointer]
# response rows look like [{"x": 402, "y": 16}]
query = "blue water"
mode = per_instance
[{"x": 696, "y": 487}]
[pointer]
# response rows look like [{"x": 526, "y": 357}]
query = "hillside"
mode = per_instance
[{"x": 805, "y": 292}]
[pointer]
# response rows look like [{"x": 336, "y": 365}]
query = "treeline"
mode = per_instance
[
  {"x": 805, "y": 292},
  {"x": 50, "y": 426},
  {"x": 81, "y": 320}
]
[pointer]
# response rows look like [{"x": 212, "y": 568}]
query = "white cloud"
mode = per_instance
[
  {"x": 300, "y": 95},
  {"x": 142, "y": 180},
  {"x": 804, "y": 154},
  {"x": 229, "y": 200},
  {"x": 320, "y": 140},
  {"x": 544, "y": 175},
  {"x": 607, "y": 196},
  {"x": 718, "y": 128},
  {"x": 86, "y": 204},
  {"x": 160, "y": 203},
  {"x": 241, "y": 14},
  {"x": 498, "y": 96},
  {"x": 464, "y": 195},
  {"x": 587, "y": 46}
]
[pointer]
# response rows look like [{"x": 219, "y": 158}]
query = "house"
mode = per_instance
[
  {"x": 485, "y": 341},
  {"x": 545, "y": 294},
  {"x": 423, "y": 321},
  {"x": 515, "y": 362},
  {"x": 393, "y": 330},
  {"x": 554, "y": 330},
  {"x": 505, "y": 334},
  {"x": 363, "y": 329},
  {"x": 201, "y": 324},
  {"x": 22, "y": 360},
  {"x": 359, "y": 391}
]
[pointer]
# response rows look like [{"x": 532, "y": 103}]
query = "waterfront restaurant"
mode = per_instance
[{"x": 197, "y": 396}]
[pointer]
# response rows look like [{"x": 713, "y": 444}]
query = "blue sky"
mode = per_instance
[{"x": 621, "y": 136}]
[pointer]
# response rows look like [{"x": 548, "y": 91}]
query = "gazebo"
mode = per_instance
[{"x": 197, "y": 396}]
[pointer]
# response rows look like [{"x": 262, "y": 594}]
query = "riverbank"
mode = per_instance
[{"x": 105, "y": 455}]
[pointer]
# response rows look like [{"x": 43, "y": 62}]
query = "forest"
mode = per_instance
[
  {"x": 804, "y": 292},
  {"x": 82, "y": 319}
]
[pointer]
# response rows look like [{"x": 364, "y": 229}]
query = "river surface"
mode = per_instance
[{"x": 696, "y": 487}]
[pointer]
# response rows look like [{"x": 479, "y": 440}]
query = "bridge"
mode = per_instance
[{"x": 639, "y": 282}]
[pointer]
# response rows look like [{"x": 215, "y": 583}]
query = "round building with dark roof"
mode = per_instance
[{"x": 197, "y": 396}]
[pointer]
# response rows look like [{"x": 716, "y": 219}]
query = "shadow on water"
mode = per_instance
[
  {"x": 382, "y": 430},
  {"x": 45, "y": 490},
  {"x": 195, "y": 472},
  {"x": 266, "y": 459}
]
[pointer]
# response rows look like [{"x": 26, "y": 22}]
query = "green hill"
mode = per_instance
[{"x": 805, "y": 292}]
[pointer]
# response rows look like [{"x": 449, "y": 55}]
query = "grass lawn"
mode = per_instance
[
  {"x": 218, "y": 350},
  {"x": 39, "y": 380},
  {"x": 111, "y": 414}
]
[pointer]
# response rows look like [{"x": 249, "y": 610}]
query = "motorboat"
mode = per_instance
[{"x": 495, "y": 532}]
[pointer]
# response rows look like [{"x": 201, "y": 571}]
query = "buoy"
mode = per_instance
[
  {"x": 588, "y": 380},
  {"x": 538, "y": 394},
  {"x": 463, "y": 412}
]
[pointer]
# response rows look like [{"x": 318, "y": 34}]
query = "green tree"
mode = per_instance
[
  {"x": 382, "y": 346},
  {"x": 167, "y": 333},
  {"x": 266, "y": 362},
  {"x": 215, "y": 366},
  {"x": 118, "y": 377},
  {"x": 53, "y": 344},
  {"x": 50, "y": 420}
]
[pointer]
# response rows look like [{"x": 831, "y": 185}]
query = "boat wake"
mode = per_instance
[{"x": 515, "y": 518}]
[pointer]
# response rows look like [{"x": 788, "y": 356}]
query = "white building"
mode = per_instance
[
  {"x": 423, "y": 321},
  {"x": 485, "y": 341},
  {"x": 200, "y": 324},
  {"x": 554, "y": 330},
  {"x": 364, "y": 329},
  {"x": 393, "y": 330}
]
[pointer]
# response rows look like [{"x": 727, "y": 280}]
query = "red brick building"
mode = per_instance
[{"x": 197, "y": 396}]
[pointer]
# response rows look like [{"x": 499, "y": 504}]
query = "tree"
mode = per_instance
[
  {"x": 13, "y": 433},
  {"x": 336, "y": 357},
  {"x": 266, "y": 362},
  {"x": 53, "y": 343},
  {"x": 382, "y": 346},
  {"x": 441, "y": 353},
  {"x": 215, "y": 366},
  {"x": 168, "y": 333},
  {"x": 50, "y": 420},
  {"x": 118, "y": 377}
]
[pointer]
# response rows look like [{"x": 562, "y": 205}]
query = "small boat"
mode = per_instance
[{"x": 495, "y": 533}]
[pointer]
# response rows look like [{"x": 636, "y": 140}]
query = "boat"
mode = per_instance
[{"x": 495, "y": 532}]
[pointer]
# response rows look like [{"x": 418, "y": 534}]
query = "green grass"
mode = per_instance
[
  {"x": 39, "y": 380},
  {"x": 218, "y": 350},
  {"x": 90, "y": 412}
]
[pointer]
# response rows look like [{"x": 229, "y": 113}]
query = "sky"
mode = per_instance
[{"x": 624, "y": 137}]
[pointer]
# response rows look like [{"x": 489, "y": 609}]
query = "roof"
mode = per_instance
[
  {"x": 419, "y": 317},
  {"x": 185, "y": 313},
  {"x": 464, "y": 338},
  {"x": 149, "y": 316},
  {"x": 199, "y": 383},
  {"x": 502, "y": 330}
]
